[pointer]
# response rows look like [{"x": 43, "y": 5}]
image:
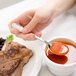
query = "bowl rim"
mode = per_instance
[{"x": 60, "y": 65}]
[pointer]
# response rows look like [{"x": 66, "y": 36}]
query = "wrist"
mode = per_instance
[
  {"x": 52, "y": 6},
  {"x": 59, "y": 6}
]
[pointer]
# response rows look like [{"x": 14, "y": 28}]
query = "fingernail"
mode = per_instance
[{"x": 24, "y": 30}]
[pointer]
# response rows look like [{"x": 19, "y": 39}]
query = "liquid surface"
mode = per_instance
[
  {"x": 70, "y": 57},
  {"x": 59, "y": 48}
]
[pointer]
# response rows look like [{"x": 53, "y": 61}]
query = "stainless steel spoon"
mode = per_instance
[{"x": 20, "y": 28}]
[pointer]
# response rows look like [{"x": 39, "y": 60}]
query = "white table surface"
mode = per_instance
[{"x": 63, "y": 26}]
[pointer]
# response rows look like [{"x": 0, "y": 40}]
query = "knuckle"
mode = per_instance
[{"x": 40, "y": 17}]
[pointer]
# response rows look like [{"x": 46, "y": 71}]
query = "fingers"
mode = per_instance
[
  {"x": 28, "y": 37},
  {"x": 13, "y": 30},
  {"x": 29, "y": 27},
  {"x": 26, "y": 17},
  {"x": 23, "y": 20}
]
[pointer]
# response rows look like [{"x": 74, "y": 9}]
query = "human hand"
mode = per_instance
[{"x": 33, "y": 22}]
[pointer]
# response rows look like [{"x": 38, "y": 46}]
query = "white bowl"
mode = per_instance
[{"x": 59, "y": 69}]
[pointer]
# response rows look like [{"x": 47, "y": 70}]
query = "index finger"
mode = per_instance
[{"x": 13, "y": 30}]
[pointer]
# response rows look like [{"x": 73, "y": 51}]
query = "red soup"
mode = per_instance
[{"x": 70, "y": 57}]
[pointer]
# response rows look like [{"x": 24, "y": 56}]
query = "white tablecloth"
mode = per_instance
[{"x": 63, "y": 26}]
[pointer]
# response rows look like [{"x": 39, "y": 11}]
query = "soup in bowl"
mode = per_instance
[{"x": 61, "y": 65}]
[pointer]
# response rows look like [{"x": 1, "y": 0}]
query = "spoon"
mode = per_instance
[{"x": 63, "y": 49}]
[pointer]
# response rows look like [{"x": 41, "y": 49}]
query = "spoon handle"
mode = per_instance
[
  {"x": 17, "y": 26},
  {"x": 42, "y": 41}
]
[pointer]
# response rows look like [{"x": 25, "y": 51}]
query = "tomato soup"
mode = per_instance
[{"x": 70, "y": 57}]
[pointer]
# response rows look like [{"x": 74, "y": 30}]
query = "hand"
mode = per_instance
[{"x": 33, "y": 21}]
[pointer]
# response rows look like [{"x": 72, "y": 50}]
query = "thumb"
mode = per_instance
[{"x": 29, "y": 27}]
